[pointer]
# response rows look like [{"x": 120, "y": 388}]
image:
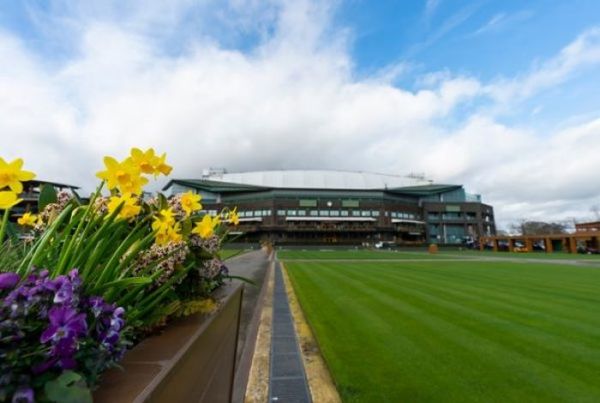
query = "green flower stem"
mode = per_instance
[
  {"x": 35, "y": 254},
  {"x": 66, "y": 253},
  {"x": 4, "y": 223}
]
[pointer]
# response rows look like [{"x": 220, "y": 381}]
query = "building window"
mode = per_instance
[
  {"x": 355, "y": 213},
  {"x": 291, "y": 212},
  {"x": 302, "y": 212},
  {"x": 324, "y": 213},
  {"x": 257, "y": 213},
  {"x": 314, "y": 213},
  {"x": 344, "y": 213},
  {"x": 266, "y": 213},
  {"x": 350, "y": 203},
  {"x": 365, "y": 213},
  {"x": 281, "y": 213},
  {"x": 394, "y": 214},
  {"x": 375, "y": 213},
  {"x": 334, "y": 213},
  {"x": 308, "y": 203}
]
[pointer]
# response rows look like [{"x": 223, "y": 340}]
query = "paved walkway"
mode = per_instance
[{"x": 287, "y": 381}]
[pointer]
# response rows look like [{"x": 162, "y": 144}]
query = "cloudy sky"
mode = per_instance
[{"x": 502, "y": 96}]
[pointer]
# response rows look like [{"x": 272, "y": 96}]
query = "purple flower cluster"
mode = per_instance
[
  {"x": 109, "y": 321},
  {"x": 47, "y": 326}
]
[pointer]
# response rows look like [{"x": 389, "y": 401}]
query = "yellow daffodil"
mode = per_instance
[
  {"x": 190, "y": 202},
  {"x": 8, "y": 199},
  {"x": 169, "y": 234},
  {"x": 130, "y": 207},
  {"x": 206, "y": 227},
  {"x": 160, "y": 166},
  {"x": 125, "y": 176},
  {"x": 234, "y": 218},
  {"x": 27, "y": 220},
  {"x": 145, "y": 160},
  {"x": 11, "y": 175},
  {"x": 163, "y": 220}
]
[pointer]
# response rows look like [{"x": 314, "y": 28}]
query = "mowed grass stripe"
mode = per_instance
[
  {"x": 442, "y": 315},
  {"x": 503, "y": 277},
  {"x": 516, "y": 310},
  {"x": 514, "y": 299},
  {"x": 428, "y": 344},
  {"x": 442, "y": 303},
  {"x": 377, "y": 321},
  {"x": 360, "y": 255},
  {"x": 347, "y": 358}
]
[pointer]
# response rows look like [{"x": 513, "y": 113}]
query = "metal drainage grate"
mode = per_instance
[{"x": 288, "y": 381}]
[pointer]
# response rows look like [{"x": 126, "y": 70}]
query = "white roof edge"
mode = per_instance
[
  {"x": 319, "y": 179},
  {"x": 401, "y": 220}
]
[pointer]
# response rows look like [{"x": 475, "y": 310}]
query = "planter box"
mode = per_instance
[{"x": 192, "y": 360}]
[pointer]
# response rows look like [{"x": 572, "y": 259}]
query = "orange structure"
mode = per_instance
[
  {"x": 588, "y": 226},
  {"x": 555, "y": 242}
]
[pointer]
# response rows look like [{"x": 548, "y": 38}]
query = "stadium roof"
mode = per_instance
[{"x": 310, "y": 179}]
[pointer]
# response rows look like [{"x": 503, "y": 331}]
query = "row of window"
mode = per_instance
[
  {"x": 400, "y": 214},
  {"x": 326, "y": 213},
  {"x": 255, "y": 213},
  {"x": 451, "y": 216}
]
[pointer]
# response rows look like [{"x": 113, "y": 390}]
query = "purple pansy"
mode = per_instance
[
  {"x": 47, "y": 319},
  {"x": 23, "y": 395},
  {"x": 8, "y": 280},
  {"x": 65, "y": 323}
]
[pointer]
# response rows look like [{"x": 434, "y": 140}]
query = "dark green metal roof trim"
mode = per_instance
[
  {"x": 228, "y": 187},
  {"x": 214, "y": 186},
  {"x": 424, "y": 190}
]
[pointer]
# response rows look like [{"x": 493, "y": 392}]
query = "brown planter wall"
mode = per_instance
[{"x": 193, "y": 360}]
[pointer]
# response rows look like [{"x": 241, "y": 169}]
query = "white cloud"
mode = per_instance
[
  {"x": 583, "y": 52},
  {"x": 430, "y": 7},
  {"x": 292, "y": 101},
  {"x": 502, "y": 20}
]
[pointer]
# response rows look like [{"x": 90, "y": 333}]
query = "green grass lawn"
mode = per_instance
[
  {"x": 455, "y": 331},
  {"x": 227, "y": 253},
  {"x": 370, "y": 254},
  {"x": 532, "y": 255},
  {"x": 355, "y": 254}
]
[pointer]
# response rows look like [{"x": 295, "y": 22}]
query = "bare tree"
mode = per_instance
[
  {"x": 538, "y": 228},
  {"x": 596, "y": 210}
]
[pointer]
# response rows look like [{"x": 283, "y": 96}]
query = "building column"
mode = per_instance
[
  {"x": 529, "y": 244},
  {"x": 572, "y": 244},
  {"x": 495, "y": 244},
  {"x": 548, "y": 243},
  {"x": 511, "y": 245}
]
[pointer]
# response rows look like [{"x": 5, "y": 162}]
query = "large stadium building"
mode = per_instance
[{"x": 341, "y": 207}]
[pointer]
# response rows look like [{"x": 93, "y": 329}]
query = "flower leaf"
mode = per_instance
[
  {"x": 69, "y": 387},
  {"x": 47, "y": 196}
]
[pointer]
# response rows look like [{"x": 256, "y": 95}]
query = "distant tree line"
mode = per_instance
[{"x": 538, "y": 228}]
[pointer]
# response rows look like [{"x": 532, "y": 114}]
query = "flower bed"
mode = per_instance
[{"x": 81, "y": 282}]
